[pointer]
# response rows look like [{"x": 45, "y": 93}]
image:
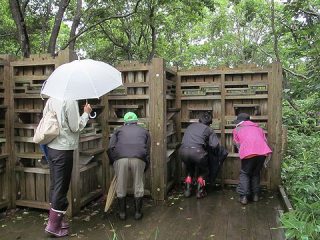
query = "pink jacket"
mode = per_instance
[{"x": 250, "y": 139}]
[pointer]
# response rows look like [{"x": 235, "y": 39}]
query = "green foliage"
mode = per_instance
[
  {"x": 306, "y": 120},
  {"x": 8, "y": 44},
  {"x": 300, "y": 172},
  {"x": 304, "y": 223}
]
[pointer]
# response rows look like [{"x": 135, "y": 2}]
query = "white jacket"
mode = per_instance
[{"x": 70, "y": 123}]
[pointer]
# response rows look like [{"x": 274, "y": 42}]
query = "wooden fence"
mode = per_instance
[
  {"x": 165, "y": 101},
  {"x": 225, "y": 92}
]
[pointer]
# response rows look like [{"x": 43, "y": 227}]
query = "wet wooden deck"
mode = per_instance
[{"x": 219, "y": 216}]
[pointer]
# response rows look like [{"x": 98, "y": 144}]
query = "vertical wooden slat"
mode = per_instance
[
  {"x": 223, "y": 123},
  {"x": 158, "y": 120},
  {"x": 275, "y": 122}
]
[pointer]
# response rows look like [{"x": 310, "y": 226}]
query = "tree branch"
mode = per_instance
[
  {"x": 100, "y": 22},
  {"x": 295, "y": 74},
  {"x": 310, "y": 12},
  {"x": 275, "y": 37}
]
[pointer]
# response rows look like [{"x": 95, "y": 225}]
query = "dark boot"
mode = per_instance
[
  {"x": 122, "y": 208},
  {"x": 255, "y": 197},
  {"x": 188, "y": 186},
  {"x": 137, "y": 206},
  {"x": 201, "y": 190},
  {"x": 54, "y": 224}
]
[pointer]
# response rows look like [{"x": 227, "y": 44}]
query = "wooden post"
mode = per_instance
[
  {"x": 275, "y": 123},
  {"x": 105, "y": 141},
  {"x": 178, "y": 104},
  {"x": 158, "y": 129},
  {"x": 5, "y": 192},
  {"x": 223, "y": 123},
  {"x": 10, "y": 128}
]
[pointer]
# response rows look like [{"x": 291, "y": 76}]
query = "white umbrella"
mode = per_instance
[{"x": 82, "y": 79}]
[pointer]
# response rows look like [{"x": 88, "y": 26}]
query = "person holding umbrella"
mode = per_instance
[
  {"x": 129, "y": 148},
  {"x": 60, "y": 159},
  {"x": 253, "y": 149}
]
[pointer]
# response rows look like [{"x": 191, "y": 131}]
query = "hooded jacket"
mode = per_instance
[
  {"x": 250, "y": 140},
  {"x": 70, "y": 123}
]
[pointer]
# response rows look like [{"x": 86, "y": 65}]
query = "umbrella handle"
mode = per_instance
[{"x": 93, "y": 116}]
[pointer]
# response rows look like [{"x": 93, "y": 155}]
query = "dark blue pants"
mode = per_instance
[
  {"x": 60, "y": 164},
  {"x": 250, "y": 175}
]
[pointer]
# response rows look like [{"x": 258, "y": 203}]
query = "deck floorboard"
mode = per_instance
[{"x": 219, "y": 216}]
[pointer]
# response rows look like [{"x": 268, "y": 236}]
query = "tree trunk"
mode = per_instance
[
  {"x": 45, "y": 26},
  {"x": 153, "y": 34},
  {"x": 75, "y": 24},
  {"x": 18, "y": 17},
  {"x": 56, "y": 27}
]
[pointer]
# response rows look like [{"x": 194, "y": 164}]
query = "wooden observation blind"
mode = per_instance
[
  {"x": 165, "y": 101},
  {"x": 226, "y": 92}
]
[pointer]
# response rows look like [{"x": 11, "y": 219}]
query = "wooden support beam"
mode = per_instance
[
  {"x": 157, "y": 129},
  {"x": 275, "y": 123}
]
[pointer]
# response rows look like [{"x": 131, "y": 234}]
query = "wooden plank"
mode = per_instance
[
  {"x": 32, "y": 170},
  {"x": 158, "y": 131},
  {"x": 207, "y": 97},
  {"x": 40, "y": 188},
  {"x": 127, "y": 97},
  {"x": 91, "y": 196},
  {"x": 29, "y": 155},
  {"x": 275, "y": 123},
  {"x": 201, "y": 84},
  {"x": 30, "y": 186},
  {"x": 27, "y": 62},
  {"x": 88, "y": 167},
  {"x": 33, "y": 204},
  {"x": 228, "y": 71},
  {"x": 28, "y": 79},
  {"x": 259, "y": 96},
  {"x": 285, "y": 199},
  {"x": 91, "y": 152}
]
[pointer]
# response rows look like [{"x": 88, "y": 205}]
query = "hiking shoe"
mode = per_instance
[{"x": 243, "y": 200}]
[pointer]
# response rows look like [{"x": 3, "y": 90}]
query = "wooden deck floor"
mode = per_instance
[{"x": 219, "y": 216}]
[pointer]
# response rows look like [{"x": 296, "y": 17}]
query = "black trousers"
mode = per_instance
[
  {"x": 195, "y": 158},
  {"x": 60, "y": 165},
  {"x": 250, "y": 175}
]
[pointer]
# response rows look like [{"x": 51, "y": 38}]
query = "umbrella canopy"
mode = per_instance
[{"x": 82, "y": 79}]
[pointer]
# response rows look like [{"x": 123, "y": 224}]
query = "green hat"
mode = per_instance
[{"x": 130, "y": 117}]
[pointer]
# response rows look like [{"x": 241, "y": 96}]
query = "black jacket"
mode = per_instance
[
  {"x": 201, "y": 136},
  {"x": 130, "y": 141}
]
